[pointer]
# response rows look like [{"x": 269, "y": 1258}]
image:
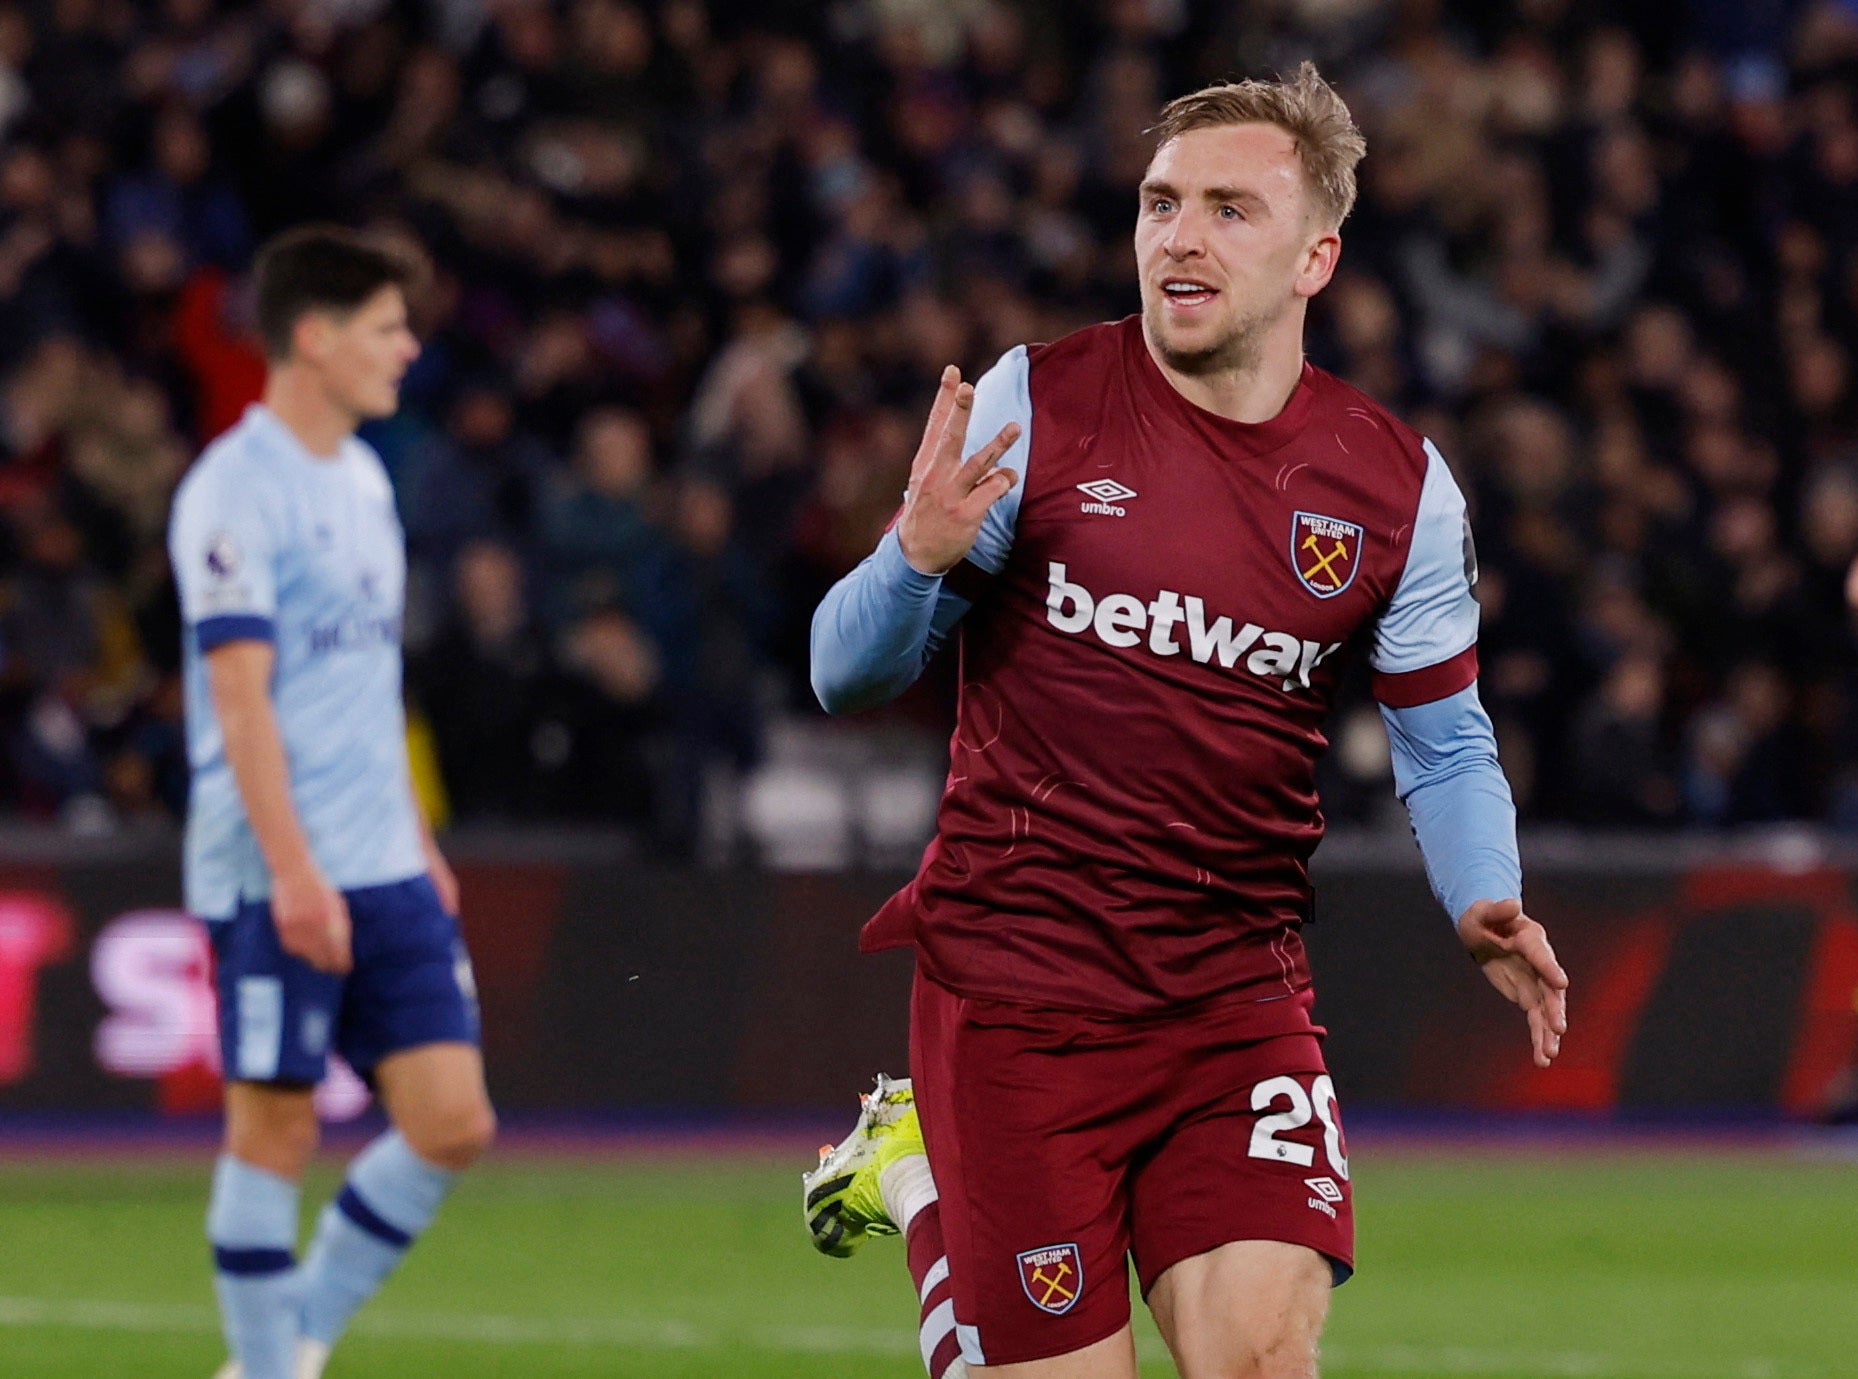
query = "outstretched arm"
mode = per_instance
[{"x": 1445, "y": 760}]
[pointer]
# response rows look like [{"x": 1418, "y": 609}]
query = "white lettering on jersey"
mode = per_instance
[{"x": 1120, "y": 620}]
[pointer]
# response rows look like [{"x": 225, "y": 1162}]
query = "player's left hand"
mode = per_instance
[{"x": 1514, "y": 952}]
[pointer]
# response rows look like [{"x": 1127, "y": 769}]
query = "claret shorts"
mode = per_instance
[{"x": 1065, "y": 1144}]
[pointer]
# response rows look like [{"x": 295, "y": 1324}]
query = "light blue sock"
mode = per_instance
[
  {"x": 390, "y": 1197},
  {"x": 252, "y": 1223}
]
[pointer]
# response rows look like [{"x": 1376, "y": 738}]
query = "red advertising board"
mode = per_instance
[{"x": 618, "y": 985}]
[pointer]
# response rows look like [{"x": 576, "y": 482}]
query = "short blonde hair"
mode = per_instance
[{"x": 1305, "y": 107}]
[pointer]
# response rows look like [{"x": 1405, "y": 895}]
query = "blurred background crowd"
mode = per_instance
[{"x": 698, "y": 264}]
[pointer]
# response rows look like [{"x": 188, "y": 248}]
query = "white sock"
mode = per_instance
[
  {"x": 907, "y": 1186},
  {"x": 312, "y": 1356}
]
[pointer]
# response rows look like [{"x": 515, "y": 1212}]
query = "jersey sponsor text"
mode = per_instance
[{"x": 1121, "y": 619}]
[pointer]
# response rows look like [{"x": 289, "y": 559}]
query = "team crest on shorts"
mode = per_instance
[
  {"x": 1324, "y": 551},
  {"x": 1053, "y": 1277}
]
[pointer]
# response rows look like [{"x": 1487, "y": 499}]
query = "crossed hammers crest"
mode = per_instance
[{"x": 1324, "y": 563}]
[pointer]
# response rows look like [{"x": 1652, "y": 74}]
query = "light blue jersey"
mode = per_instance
[{"x": 271, "y": 542}]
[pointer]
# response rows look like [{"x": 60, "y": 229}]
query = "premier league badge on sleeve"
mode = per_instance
[
  {"x": 222, "y": 556},
  {"x": 1324, "y": 551},
  {"x": 1053, "y": 1277}
]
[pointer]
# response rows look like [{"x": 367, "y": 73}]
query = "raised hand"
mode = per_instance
[
  {"x": 948, "y": 496},
  {"x": 1513, "y": 950}
]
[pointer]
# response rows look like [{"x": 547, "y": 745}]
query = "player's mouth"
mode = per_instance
[{"x": 1187, "y": 294}]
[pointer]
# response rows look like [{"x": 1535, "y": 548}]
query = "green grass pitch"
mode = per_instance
[{"x": 1493, "y": 1265}]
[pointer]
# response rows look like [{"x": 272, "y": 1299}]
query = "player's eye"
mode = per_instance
[
  {"x": 1231, "y": 213},
  {"x": 1161, "y": 205}
]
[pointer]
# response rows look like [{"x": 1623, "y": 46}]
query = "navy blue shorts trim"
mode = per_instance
[{"x": 411, "y": 984}]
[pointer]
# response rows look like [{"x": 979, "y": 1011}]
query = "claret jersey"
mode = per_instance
[{"x": 1152, "y": 631}]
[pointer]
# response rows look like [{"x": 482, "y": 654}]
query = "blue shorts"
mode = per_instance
[{"x": 411, "y": 984}]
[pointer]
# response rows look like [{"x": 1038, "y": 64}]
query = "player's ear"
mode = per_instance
[
  {"x": 1319, "y": 263},
  {"x": 311, "y": 336}
]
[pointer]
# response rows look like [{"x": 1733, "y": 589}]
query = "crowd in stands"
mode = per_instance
[{"x": 699, "y": 262}]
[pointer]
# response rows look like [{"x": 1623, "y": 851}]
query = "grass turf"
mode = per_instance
[{"x": 1476, "y": 1266}]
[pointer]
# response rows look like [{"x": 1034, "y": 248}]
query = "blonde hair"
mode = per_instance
[{"x": 1305, "y": 107}]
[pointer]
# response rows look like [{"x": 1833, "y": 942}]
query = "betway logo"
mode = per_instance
[{"x": 1123, "y": 619}]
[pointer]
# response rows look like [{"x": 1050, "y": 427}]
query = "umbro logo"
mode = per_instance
[
  {"x": 1107, "y": 494},
  {"x": 1328, "y": 1196}
]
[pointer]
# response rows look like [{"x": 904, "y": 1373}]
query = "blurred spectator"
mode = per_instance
[
  {"x": 481, "y": 682},
  {"x": 477, "y": 478},
  {"x": 1748, "y": 762},
  {"x": 598, "y": 749},
  {"x": 176, "y": 201},
  {"x": 145, "y": 763},
  {"x": 714, "y": 660},
  {"x": 52, "y": 629},
  {"x": 1623, "y": 767},
  {"x": 601, "y": 544}
]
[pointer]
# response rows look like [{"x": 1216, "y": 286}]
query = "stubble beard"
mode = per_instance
[{"x": 1237, "y": 351}]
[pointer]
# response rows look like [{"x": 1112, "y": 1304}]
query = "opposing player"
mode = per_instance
[
  {"x": 331, "y": 911},
  {"x": 1157, "y": 565}
]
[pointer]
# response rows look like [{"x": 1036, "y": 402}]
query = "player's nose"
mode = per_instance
[{"x": 1184, "y": 239}]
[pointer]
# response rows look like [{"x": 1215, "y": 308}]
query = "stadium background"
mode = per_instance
[{"x": 697, "y": 263}]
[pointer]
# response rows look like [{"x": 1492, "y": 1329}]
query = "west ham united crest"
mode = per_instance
[
  {"x": 1053, "y": 1277},
  {"x": 1324, "y": 551}
]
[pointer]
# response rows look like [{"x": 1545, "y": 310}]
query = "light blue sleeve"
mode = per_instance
[
  {"x": 1432, "y": 616},
  {"x": 1446, "y": 772},
  {"x": 222, "y": 544},
  {"x": 1003, "y": 395},
  {"x": 878, "y": 626}
]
